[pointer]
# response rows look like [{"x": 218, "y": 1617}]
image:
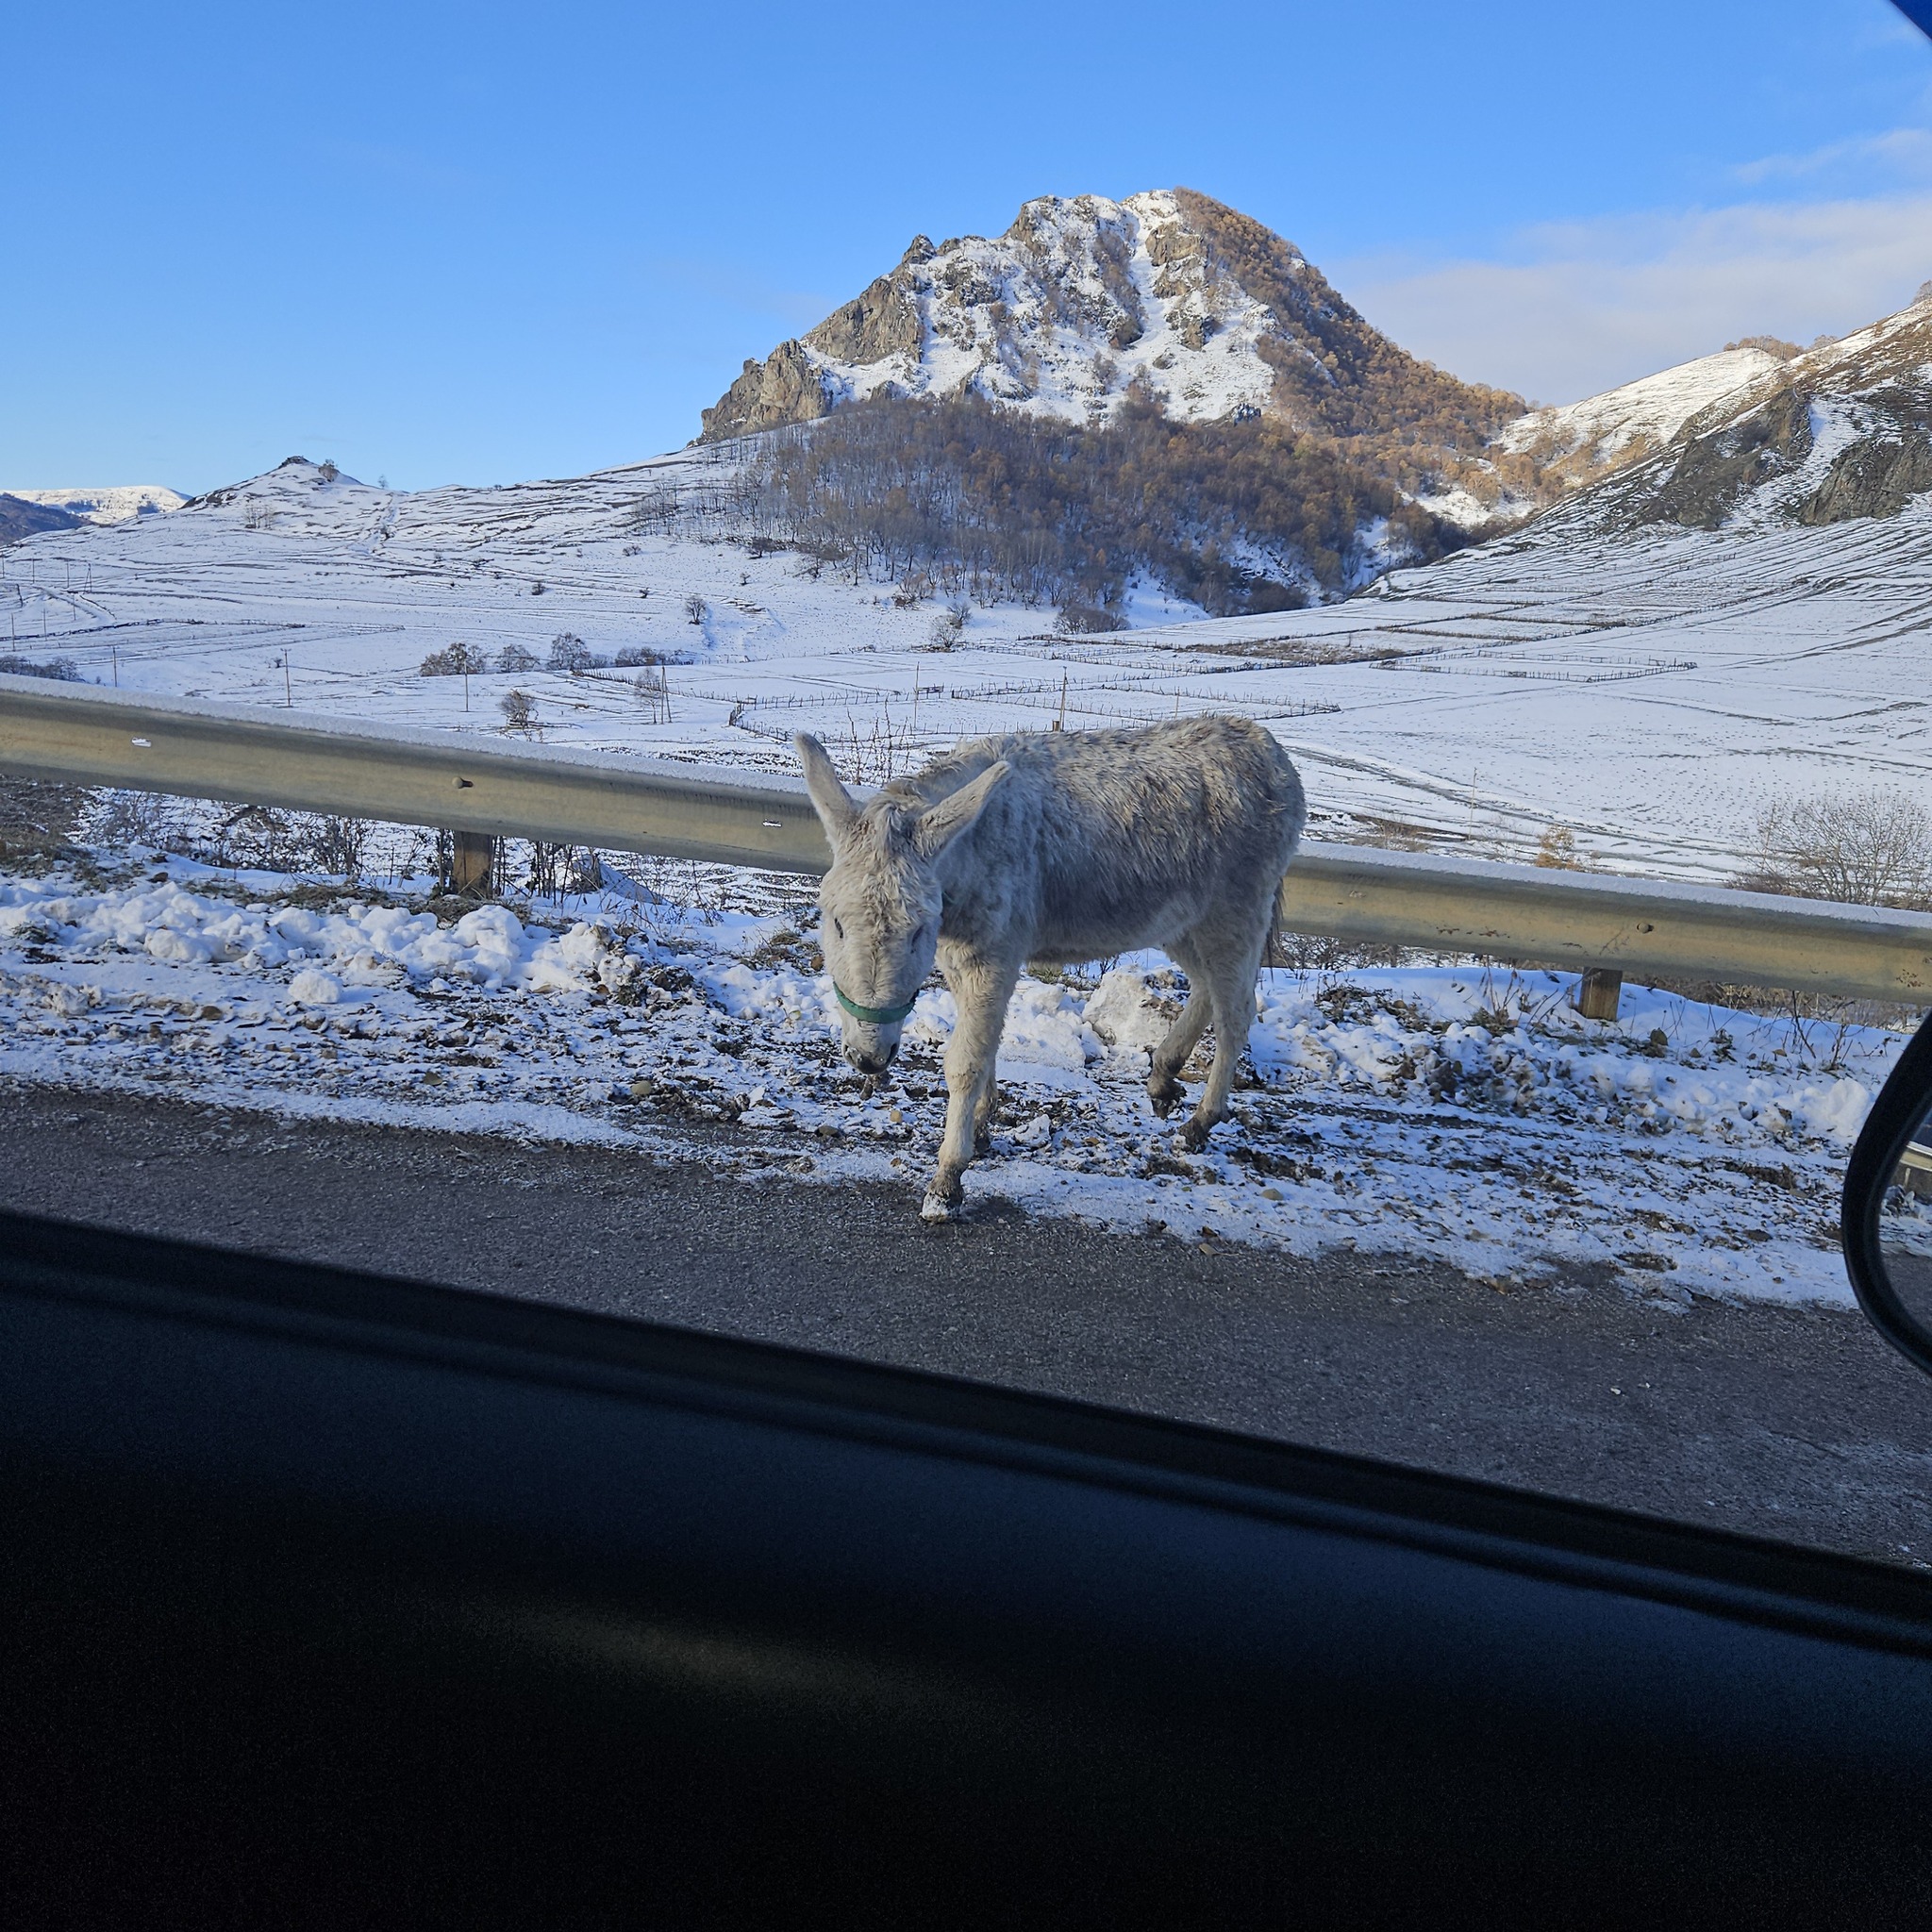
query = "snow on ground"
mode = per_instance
[
  {"x": 1647, "y": 690},
  {"x": 1463, "y": 1115}
]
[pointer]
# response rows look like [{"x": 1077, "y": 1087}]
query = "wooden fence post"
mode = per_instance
[
  {"x": 472, "y": 864},
  {"x": 1597, "y": 992}
]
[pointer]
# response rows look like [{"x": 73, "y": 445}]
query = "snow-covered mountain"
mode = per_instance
[
  {"x": 113, "y": 504},
  {"x": 1582, "y": 441},
  {"x": 1838, "y": 432},
  {"x": 1084, "y": 301}
]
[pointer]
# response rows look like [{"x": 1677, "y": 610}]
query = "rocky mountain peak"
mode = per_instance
[{"x": 1085, "y": 302}]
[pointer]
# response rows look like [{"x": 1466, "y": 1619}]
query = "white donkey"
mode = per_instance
[{"x": 1058, "y": 847}]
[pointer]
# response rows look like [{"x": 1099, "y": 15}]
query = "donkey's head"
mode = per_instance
[{"x": 879, "y": 905}]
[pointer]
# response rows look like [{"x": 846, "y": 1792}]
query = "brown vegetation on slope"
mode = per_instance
[
  {"x": 1235, "y": 516},
  {"x": 1401, "y": 418}
]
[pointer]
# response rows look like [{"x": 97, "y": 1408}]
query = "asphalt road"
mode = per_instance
[{"x": 1790, "y": 1423}]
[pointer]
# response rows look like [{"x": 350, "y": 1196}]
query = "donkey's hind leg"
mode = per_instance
[
  {"x": 1229, "y": 962},
  {"x": 1163, "y": 1090}
]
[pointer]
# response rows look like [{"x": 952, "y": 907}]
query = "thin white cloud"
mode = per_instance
[
  {"x": 1903, "y": 153},
  {"x": 1585, "y": 305}
]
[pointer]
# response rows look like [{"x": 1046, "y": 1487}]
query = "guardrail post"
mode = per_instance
[
  {"x": 1598, "y": 992},
  {"x": 473, "y": 863}
]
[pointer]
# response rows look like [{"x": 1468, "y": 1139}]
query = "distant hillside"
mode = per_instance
[
  {"x": 112, "y": 503},
  {"x": 1840, "y": 431},
  {"x": 19, "y": 518}
]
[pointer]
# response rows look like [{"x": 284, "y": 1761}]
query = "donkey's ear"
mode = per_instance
[
  {"x": 829, "y": 798},
  {"x": 940, "y": 824}
]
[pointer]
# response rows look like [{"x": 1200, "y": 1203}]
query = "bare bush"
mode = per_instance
[
  {"x": 634, "y": 655},
  {"x": 515, "y": 659},
  {"x": 696, "y": 608},
  {"x": 519, "y": 711},
  {"x": 652, "y": 689},
  {"x": 1085, "y": 620},
  {"x": 1863, "y": 848},
  {"x": 455, "y": 661},
  {"x": 1556, "y": 849},
  {"x": 558, "y": 872},
  {"x": 569, "y": 652},
  {"x": 123, "y": 819},
  {"x": 63, "y": 669},
  {"x": 336, "y": 845}
]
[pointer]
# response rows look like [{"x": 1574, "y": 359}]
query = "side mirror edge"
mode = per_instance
[{"x": 1899, "y": 1108}]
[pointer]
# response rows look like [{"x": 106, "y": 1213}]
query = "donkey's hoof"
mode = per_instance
[
  {"x": 1193, "y": 1135},
  {"x": 943, "y": 1204},
  {"x": 1164, "y": 1100}
]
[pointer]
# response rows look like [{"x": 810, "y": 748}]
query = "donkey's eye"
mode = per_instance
[
  {"x": 918, "y": 932},
  {"x": 837, "y": 926}
]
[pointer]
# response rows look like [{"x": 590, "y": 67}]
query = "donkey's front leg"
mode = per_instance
[
  {"x": 1231, "y": 989},
  {"x": 981, "y": 988}
]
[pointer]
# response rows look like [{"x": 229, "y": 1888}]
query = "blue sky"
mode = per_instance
[{"x": 477, "y": 243}]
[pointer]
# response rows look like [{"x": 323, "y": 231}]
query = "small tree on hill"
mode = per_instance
[{"x": 569, "y": 652}]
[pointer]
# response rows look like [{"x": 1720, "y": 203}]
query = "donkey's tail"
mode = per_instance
[{"x": 1292, "y": 807}]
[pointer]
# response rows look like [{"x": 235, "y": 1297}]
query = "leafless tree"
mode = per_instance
[{"x": 1864, "y": 848}]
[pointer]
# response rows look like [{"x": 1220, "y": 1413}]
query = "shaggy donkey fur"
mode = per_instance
[{"x": 1058, "y": 847}]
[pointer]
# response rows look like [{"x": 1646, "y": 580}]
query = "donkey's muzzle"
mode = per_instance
[{"x": 871, "y": 1064}]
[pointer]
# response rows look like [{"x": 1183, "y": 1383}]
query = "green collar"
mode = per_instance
[{"x": 875, "y": 1016}]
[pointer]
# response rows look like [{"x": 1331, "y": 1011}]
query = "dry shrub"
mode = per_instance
[
  {"x": 1863, "y": 848},
  {"x": 1556, "y": 850}
]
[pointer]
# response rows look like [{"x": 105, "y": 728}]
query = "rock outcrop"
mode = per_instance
[{"x": 1083, "y": 302}]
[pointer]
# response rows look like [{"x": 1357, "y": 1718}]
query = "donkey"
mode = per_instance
[{"x": 1056, "y": 847}]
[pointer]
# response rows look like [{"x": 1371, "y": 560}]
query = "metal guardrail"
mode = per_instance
[{"x": 1573, "y": 920}]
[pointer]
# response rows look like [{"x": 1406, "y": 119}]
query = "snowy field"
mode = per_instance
[
  {"x": 1647, "y": 693},
  {"x": 1469, "y": 1116}
]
